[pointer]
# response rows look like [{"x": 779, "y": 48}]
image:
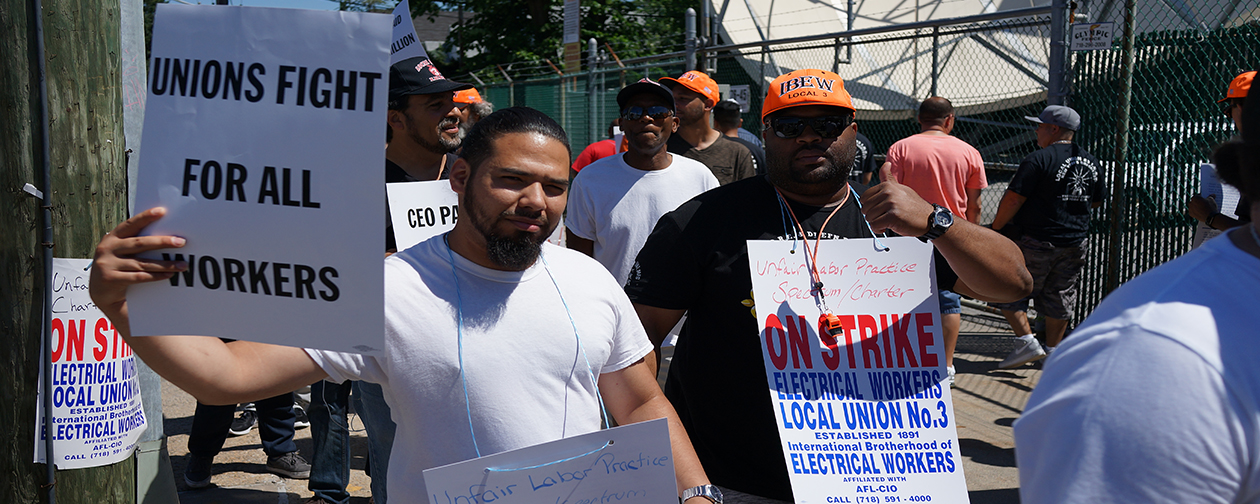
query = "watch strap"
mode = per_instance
[
  {"x": 707, "y": 491},
  {"x": 935, "y": 230}
]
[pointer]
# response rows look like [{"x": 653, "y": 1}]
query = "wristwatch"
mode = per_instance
[
  {"x": 938, "y": 223},
  {"x": 707, "y": 491}
]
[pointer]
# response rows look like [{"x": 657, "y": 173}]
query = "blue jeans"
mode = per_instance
[
  {"x": 330, "y": 467},
  {"x": 275, "y": 426}
]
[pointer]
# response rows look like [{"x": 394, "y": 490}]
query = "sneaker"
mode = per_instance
[
  {"x": 241, "y": 425},
  {"x": 1023, "y": 354},
  {"x": 317, "y": 500},
  {"x": 949, "y": 378},
  {"x": 290, "y": 465},
  {"x": 197, "y": 474},
  {"x": 301, "y": 422}
]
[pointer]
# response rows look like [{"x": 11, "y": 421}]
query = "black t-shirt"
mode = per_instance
[
  {"x": 863, "y": 159},
  {"x": 697, "y": 259},
  {"x": 1061, "y": 182},
  {"x": 395, "y": 173}
]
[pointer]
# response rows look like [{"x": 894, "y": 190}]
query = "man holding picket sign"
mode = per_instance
[
  {"x": 696, "y": 262},
  {"x": 481, "y": 324}
]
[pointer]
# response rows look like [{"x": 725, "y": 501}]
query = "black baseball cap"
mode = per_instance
[
  {"x": 645, "y": 85},
  {"x": 418, "y": 75}
]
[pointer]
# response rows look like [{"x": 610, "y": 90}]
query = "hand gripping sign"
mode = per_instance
[
  {"x": 630, "y": 464},
  {"x": 97, "y": 412},
  {"x": 856, "y": 382},
  {"x": 263, "y": 139}
]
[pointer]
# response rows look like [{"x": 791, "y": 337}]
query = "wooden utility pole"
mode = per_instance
[{"x": 89, "y": 198}]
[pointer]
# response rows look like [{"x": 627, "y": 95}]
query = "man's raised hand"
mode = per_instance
[
  {"x": 115, "y": 265},
  {"x": 892, "y": 206}
]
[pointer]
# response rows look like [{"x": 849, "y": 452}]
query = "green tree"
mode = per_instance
[{"x": 530, "y": 31}]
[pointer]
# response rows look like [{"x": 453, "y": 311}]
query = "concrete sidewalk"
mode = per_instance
[{"x": 986, "y": 402}]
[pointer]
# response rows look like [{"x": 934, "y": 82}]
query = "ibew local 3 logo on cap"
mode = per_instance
[
  {"x": 433, "y": 71},
  {"x": 806, "y": 82}
]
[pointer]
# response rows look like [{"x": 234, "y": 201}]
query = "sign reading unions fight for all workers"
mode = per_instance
[
  {"x": 264, "y": 141},
  {"x": 862, "y": 412},
  {"x": 97, "y": 415}
]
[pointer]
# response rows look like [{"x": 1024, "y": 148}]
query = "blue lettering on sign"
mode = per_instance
[
  {"x": 607, "y": 497},
  {"x": 612, "y": 465},
  {"x": 561, "y": 477},
  {"x": 478, "y": 494}
]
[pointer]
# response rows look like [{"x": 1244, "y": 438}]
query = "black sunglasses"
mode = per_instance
[
  {"x": 656, "y": 112},
  {"x": 1229, "y": 107},
  {"x": 826, "y": 126}
]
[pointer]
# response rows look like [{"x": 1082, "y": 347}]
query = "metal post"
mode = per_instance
[
  {"x": 690, "y": 33},
  {"x": 44, "y": 162},
  {"x": 706, "y": 37},
  {"x": 1057, "y": 93},
  {"x": 848, "y": 49},
  {"x": 511, "y": 86},
  {"x": 1122, "y": 150},
  {"x": 592, "y": 62},
  {"x": 835, "y": 63},
  {"x": 936, "y": 58}
]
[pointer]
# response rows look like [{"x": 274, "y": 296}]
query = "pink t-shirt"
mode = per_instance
[{"x": 940, "y": 168}]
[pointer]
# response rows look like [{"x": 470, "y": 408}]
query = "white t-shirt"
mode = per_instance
[
  {"x": 616, "y": 206},
  {"x": 527, "y": 377},
  {"x": 1156, "y": 398}
]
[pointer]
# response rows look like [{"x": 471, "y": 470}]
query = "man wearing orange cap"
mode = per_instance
[
  {"x": 1208, "y": 212},
  {"x": 695, "y": 94},
  {"x": 471, "y": 109},
  {"x": 696, "y": 261}
]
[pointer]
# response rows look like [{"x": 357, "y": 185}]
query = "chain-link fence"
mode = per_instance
[
  {"x": 994, "y": 69},
  {"x": 1183, "y": 58}
]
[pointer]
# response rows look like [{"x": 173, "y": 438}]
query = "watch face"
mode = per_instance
[{"x": 944, "y": 218}]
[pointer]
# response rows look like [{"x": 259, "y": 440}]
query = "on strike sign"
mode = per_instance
[
  {"x": 264, "y": 142},
  {"x": 861, "y": 410},
  {"x": 97, "y": 413}
]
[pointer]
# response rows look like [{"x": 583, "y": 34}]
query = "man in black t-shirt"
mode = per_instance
[
  {"x": 1048, "y": 204},
  {"x": 696, "y": 261},
  {"x": 424, "y": 127},
  {"x": 864, "y": 166}
]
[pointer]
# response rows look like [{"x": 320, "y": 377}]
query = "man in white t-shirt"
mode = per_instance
[
  {"x": 522, "y": 312},
  {"x": 615, "y": 201}
]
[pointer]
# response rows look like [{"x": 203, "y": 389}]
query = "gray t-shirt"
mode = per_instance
[{"x": 727, "y": 159}]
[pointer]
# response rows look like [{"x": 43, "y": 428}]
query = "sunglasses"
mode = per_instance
[
  {"x": 656, "y": 112},
  {"x": 1229, "y": 107},
  {"x": 826, "y": 126}
]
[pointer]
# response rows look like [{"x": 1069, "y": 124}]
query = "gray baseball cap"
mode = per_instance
[{"x": 1058, "y": 115}]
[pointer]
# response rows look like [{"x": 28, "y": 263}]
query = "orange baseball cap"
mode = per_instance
[
  {"x": 1239, "y": 86},
  {"x": 809, "y": 86},
  {"x": 698, "y": 82},
  {"x": 469, "y": 95}
]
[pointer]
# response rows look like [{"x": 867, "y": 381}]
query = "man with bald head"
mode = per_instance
[{"x": 949, "y": 174}]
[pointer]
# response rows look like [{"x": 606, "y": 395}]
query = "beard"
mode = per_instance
[
  {"x": 515, "y": 251},
  {"x": 829, "y": 176},
  {"x": 444, "y": 144}
]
